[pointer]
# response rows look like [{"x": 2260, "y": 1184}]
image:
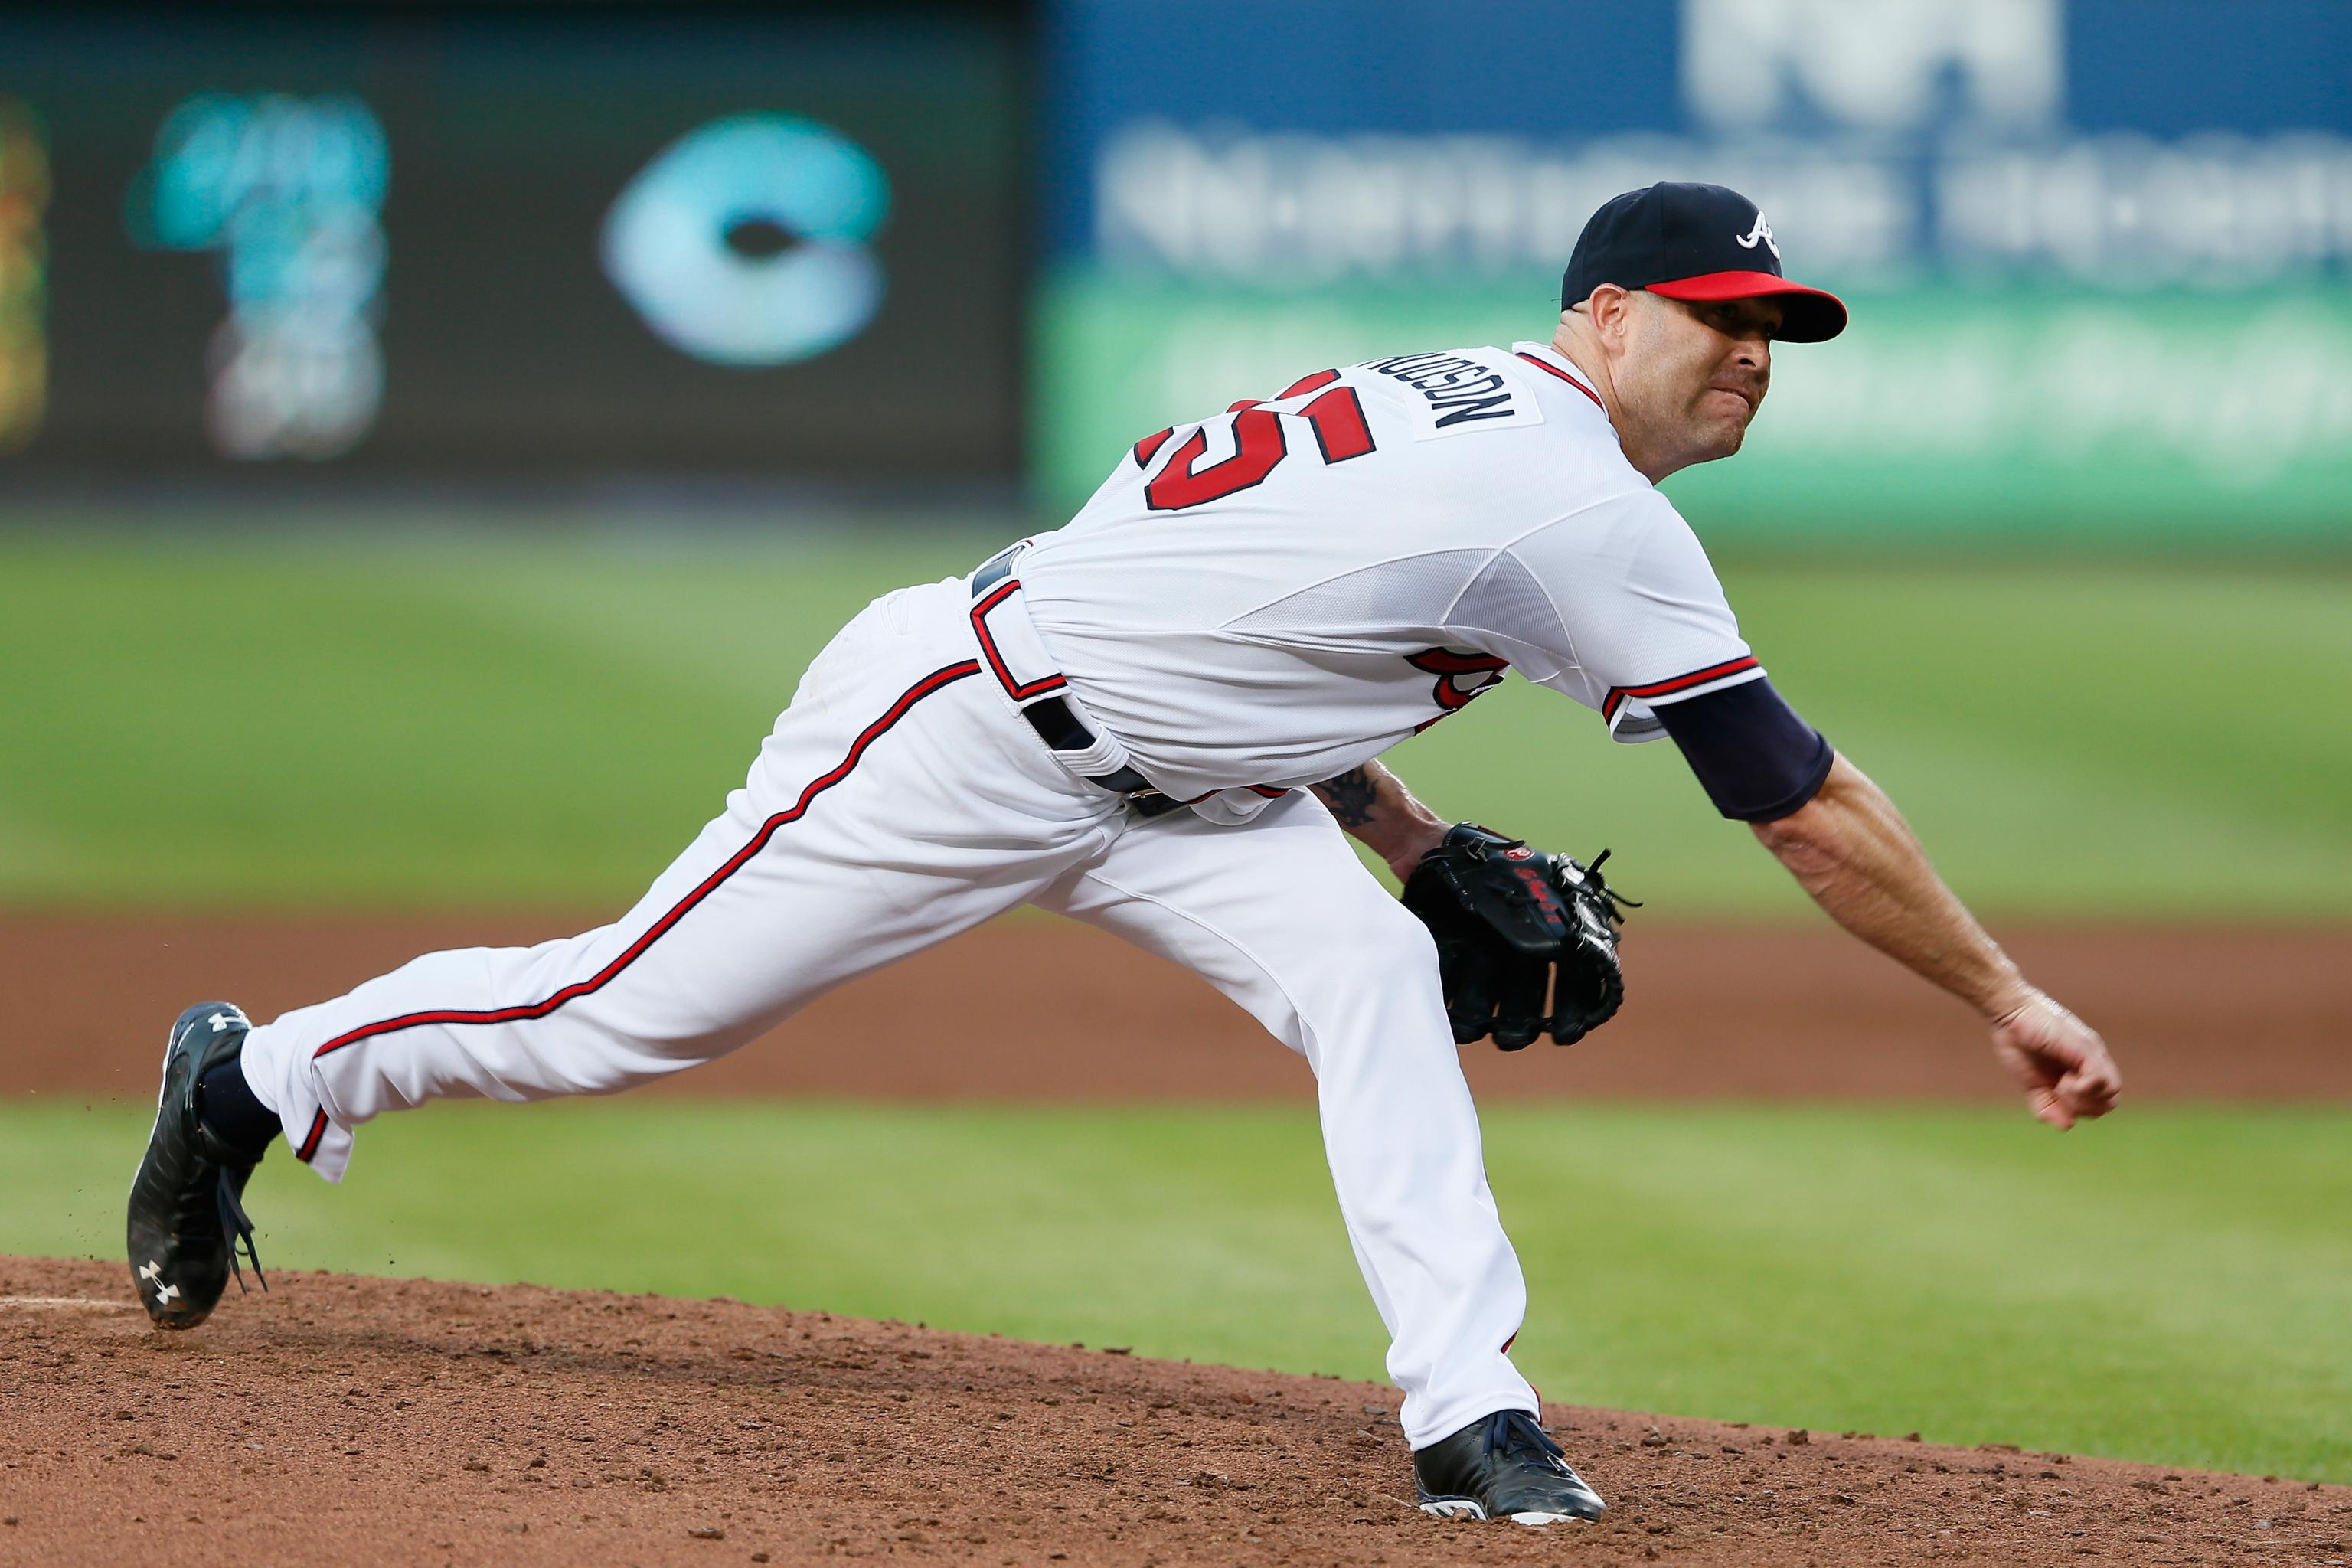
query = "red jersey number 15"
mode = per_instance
[{"x": 1336, "y": 418}]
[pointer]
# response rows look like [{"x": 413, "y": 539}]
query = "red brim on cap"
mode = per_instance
[{"x": 1813, "y": 316}]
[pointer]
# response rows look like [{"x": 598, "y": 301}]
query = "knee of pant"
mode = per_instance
[{"x": 1384, "y": 952}]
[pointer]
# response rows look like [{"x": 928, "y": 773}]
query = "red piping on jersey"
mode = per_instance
[
  {"x": 996, "y": 596},
  {"x": 930, "y": 683},
  {"x": 1268, "y": 791},
  {"x": 1617, "y": 694},
  {"x": 1552, "y": 369}
]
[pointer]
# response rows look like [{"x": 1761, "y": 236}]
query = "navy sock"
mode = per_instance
[{"x": 226, "y": 1106}]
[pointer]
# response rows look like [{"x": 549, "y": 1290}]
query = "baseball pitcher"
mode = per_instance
[{"x": 1163, "y": 718}]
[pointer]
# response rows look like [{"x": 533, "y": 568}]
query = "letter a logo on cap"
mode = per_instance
[{"x": 1684, "y": 242}]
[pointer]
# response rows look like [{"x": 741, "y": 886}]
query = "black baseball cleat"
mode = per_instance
[
  {"x": 1503, "y": 1465},
  {"x": 186, "y": 1215}
]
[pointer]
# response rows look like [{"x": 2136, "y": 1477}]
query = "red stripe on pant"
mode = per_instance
[{"x": 934, "y": 681}]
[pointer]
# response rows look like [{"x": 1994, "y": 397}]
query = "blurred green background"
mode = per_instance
[
  {"x": 1976, "y": 415},
  {"x": 471, "y": 717},
  {"x": 453, "y": 718}
]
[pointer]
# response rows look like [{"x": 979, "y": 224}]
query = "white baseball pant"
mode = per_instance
[{"x": 900, "y": 800}]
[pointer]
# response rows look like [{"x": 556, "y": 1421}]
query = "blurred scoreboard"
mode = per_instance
[
  {"x": 2099, "y": 251},
  {"x": 498, "y": 241}
]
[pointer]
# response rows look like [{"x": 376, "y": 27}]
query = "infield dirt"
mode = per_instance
[
  {"x": 1043, "y": 1009},
  {"x": 338, "y": 1420}
]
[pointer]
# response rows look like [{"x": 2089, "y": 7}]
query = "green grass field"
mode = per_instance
[
  {"x": 2172, "y": 1285},
  {"x": 545, "y": 718}
]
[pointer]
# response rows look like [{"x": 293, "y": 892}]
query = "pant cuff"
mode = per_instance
[{"x": 1441, "y": 1422}]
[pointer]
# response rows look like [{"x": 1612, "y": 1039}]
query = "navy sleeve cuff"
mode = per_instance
[{"x": 1757, "y": 760}]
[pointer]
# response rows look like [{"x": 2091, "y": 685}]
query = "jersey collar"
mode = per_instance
[{"x": 1545, "y": 357}]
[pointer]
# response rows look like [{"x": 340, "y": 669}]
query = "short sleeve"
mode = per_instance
[{"x": 1643, "y": 617}]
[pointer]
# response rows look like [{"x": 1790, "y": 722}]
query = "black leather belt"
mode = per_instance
[{"x": 1060, "y": 729}]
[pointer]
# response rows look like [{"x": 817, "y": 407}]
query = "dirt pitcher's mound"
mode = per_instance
[{"x": 341, "y": 1420}]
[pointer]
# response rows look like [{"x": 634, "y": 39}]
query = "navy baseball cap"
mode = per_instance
[{"x": 1695, "y": 242}]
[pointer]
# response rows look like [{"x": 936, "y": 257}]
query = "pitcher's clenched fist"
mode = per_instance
[{"x": 2058, "y": 1059}]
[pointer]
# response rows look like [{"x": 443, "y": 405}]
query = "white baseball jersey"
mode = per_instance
[
  {"x": 1276, "y": 594},
  {"x": 1264, "y": 599},
  {"x": 900, "y": 800}
]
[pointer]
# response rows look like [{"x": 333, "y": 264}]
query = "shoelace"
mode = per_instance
[
  {"x": 235, "y": 1227},
  {"x": 1515, "y": 1433}
]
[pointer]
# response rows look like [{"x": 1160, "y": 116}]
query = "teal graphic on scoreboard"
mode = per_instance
[
  {"x": 744, "y": 242},
  {"x": 455, "y": 241}
]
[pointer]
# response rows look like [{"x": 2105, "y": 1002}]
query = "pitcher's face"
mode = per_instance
[{"x": 1693, "y": 372}]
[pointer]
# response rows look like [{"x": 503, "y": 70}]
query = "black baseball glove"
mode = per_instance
[{"x": 1516, "y": 927}]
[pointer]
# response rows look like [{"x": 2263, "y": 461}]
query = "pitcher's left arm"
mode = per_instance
[{"x": 1372, "y": 804}]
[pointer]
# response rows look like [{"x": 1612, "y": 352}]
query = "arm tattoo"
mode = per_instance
[{"x": 1350, "y": 797}]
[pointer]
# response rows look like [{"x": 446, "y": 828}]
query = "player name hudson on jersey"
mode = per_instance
[{"x": 1459, "y": 392}]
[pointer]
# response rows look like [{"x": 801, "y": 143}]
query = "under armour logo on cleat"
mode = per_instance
[
  {"x": 152, "y": 1272},
  {"x": 1761, "y": 233},
  {"x": 220, "y": 1021}
]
